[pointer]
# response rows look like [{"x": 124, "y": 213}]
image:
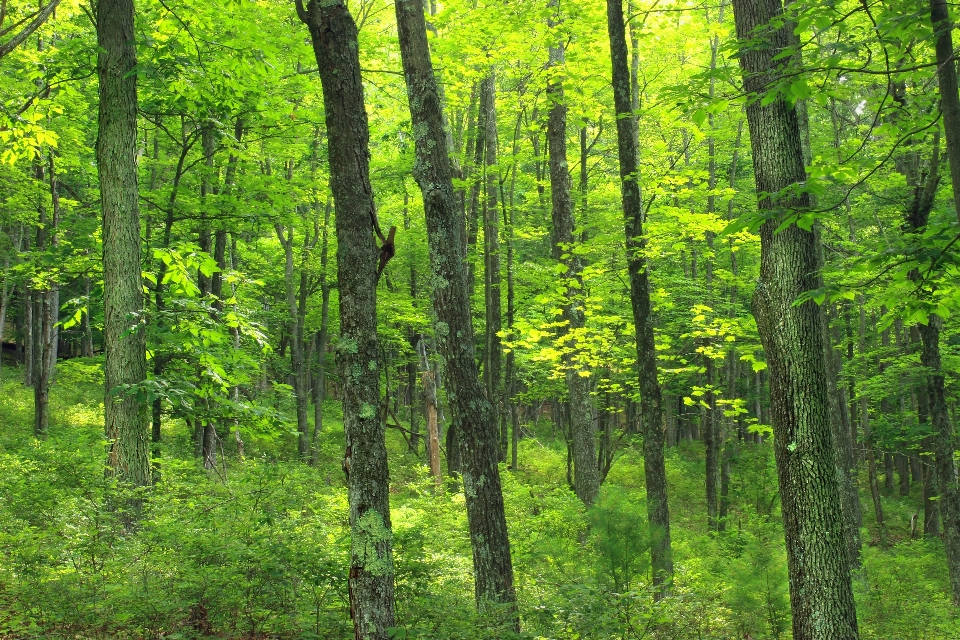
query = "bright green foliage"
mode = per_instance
[
  {"x": 261, "y": 550},
  {"x": 260, "y": 546}
]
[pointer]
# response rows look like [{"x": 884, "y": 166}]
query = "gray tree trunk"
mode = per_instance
[
  {"x": 126, "y": 366},
  {"x": 821, "y": 592},
  {"x": 658, "y": 512},
  {"x": 371, "y": 578},
  {"x": 586, "y": 476},
  {"x": 474, "y": 417}
]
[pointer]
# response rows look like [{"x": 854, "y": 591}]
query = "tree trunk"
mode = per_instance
[
  {"x": 711, "y": 444},
  {"x": 42, "y": 326},
  {"x": 295, "y": 331},
  {"x": 371, "y": 589},
  {"x": 320, "y": 380},
  {"x": 843, "y": 450},
  {"x": 821, "y": 592},
  {"x": 658, "y": 512},
  {"x": 125, "y": 369},
  {"x": 493, "y": 351},
  {"x": 949, "y": 497},
  {"x": 474, "y": 417},
  {"x": 433, "y": 433},
  {"x": 586, "y": 479},
  {"x": 948, "y": 500}
]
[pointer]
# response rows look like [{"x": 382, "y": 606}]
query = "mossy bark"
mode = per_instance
[
  {"x": 821, "y": 592},
  {"x": 371, "y": 581},
  {"x": 474, "y": 418}
]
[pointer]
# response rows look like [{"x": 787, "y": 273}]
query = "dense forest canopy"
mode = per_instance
[{"x": 479, "y": 319}]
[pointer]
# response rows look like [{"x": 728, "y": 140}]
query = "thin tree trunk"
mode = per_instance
[
  {"x": 320, "y": 380},
  {"x": 433, "y": 433},
  {"x": 42, "y": 325},
  {"x": 493, "y": 351},
  {"x": 474, "y": 417},
  {"x": 821, "y": 590},
  {"x": 125, "y": 369},
  {"x": 711, "y": 443},
  {"x": 371, "y": 577},
  {"x": 586, "y": 478},
  {"x": 658, "y": 512}
]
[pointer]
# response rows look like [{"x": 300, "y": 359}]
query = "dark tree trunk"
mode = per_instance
[
  {"x": 948, "y": 500},
  {"x": 821, "y": 592},
  {"x": 583, "y": 437},
  {"x": 711, "y": 442},
  {"x": 474, "y": 417},
  {"x": 320, "y": 379},
  {"x": 493, "y": 351},
  {"x": 334, "y": 36},
  {"x": 126, "y": 366},
  {"x": 843, "y": 450},
  {"x": 658, "y": 512},
  {"x": 949, "y": 497}
]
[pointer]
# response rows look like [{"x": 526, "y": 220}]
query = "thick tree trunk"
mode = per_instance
[
  {"x": 371, "y": 589},
  {"x": 650, "y": 411},
  {"x": 474, "y": 417},
  {"x": 586, "y": 478},
  {"x": 821, "y": 592},
  {"x": 126, "y": 366}
]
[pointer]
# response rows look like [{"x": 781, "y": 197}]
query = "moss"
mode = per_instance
[
  {"x": 370, "y": 537},
  {"x": 367, "y": 411},
  {"x": 347, "y": 345}
]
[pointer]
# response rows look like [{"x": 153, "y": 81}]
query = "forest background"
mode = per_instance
[{"x": 241, "y": 526}]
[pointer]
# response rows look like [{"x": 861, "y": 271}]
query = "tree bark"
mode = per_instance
[
  {"x": 125, "y": 369},
  {"x": 658, "y": 512},
  {"x": 711, "y": 442},
  {"x": 821, "y": 592},
  {"x": 474, "y": 417},
  {"x": 586, "y": 477},
  {"x": 320, "y": 380},
  {"x": 941, "y": 439},
  {"x": 371, "y": 586},
  {"x": 493, "y": 350}
]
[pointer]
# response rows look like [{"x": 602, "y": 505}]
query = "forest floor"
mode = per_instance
[{"x": 258, "y": 548}]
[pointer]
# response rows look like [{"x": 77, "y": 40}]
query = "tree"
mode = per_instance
[
  {"x": 658, "y": 511},
  {"x": 334, "y": 35},
  {"x": 821, "y": 593},
  {"x": 124, "y": 341},
  {"x": 586, "y": 478},
  {"x": 944, "y": 441},
  {"x": 473, "y": 415}
]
